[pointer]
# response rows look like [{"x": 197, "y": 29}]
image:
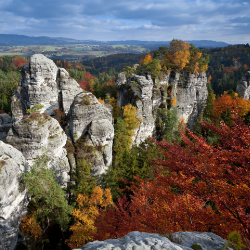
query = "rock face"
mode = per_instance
[
  {"x": 243, "y": 86},
  {"x": 13, "y": 197},
  {"x": 147, "y": 241},
  {"x": 43, "y": 83},
  {"x": 5, "y": 125},
  {"x": 37, "y": 133},
  {"x": 187, "y": 91},
  {"x": 91, "y": 121}
]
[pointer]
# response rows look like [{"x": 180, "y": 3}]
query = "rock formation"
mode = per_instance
[
  {"x": 189, "y": 91},
  {"x": 148, "y": 241},
  {"x": 5, "y": 125},
  {"x": 13, "y": 197},
  {"x": 243, "y": 86},
  {"x": 37, "y": 134},
  {"x": 43, "y": 83},
  {"x": 91, "y": 121}
]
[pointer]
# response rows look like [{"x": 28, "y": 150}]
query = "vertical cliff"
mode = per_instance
[{"x": 188, "y": 92}]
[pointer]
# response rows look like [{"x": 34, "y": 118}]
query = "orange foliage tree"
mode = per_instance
[
  {"x": 178, "y": 55},
  {"x": 85, "y": 215},
  {"x": 30, "y": 226},
  {"x": 148, "y": 59},
  {"x": 234, "y": 104},
  {"x": 197, "y": 187}
]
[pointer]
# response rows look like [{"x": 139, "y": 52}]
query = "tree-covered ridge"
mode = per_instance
[
  {"x": 227, "y": 65},
  {"x": 178, "y": 57}
]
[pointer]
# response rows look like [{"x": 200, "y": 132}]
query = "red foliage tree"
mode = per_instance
[
  {"x": 88, "y": 76},
  {"x": 87, "y": 83},
  {"x": 197, "y": 187},
  {"x": 83, "y": 84},
  {"x": 18, "y": 62}
]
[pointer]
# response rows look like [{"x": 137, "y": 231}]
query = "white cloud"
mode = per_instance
[{"x": 142, "y": 19}]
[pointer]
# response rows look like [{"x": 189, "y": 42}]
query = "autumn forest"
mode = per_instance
[{"x": 183, "y": 179}]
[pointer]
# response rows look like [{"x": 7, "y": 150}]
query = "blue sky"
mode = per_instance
[{"x": 155, "y": 20}]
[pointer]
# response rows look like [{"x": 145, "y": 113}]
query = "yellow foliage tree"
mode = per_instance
[
  {"x": 132, "y": 121},
  {"x": 85, "y": 215},
  {"x": 180, "y": 58},
  {"x": 148, "y": 59},
  {"x": 178, "y": 55},
  {"x": 130, "y": 116},
  {"x": 173, "y": 102},
  {"x": 243, "y": 105},
  {"x": 30, "y": 226},
  {"x": 196, "y": 68},
  {"x": 100, "y": 100},
  {"x": 204, "y": 68}
]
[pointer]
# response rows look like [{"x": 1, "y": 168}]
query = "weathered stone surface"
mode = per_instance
[
  {"x": 92, "y": 121},
  {"x": 43, "y": 83},
  {"x": 189, "y": 91},
  {"x": 205, "y": 240},
  {"x": 147, "y": 241},
  {"x": 37, "y": 133},
  {"x": 5, "y": 125},
  {"x": 101, "y": 133},
  {"x": 13, "y": 196},
  {"x": 69, "y": 88},
  {"x": 243, "y": 86}
]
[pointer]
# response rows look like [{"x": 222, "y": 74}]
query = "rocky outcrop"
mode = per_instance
[
  {"x": 243, "y": 86},
  {"x": 91, "y": 121},
  {"x": 45, "y": 84},
  {"x": 148, "y": 241},
  {"x": 5, "y": 125},
  {"x": 13, "y": 197},
  {"x": 188, "y": 92},
  {"x": 37, "y": 134}
]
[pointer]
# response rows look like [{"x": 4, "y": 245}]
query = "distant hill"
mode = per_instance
[
  {"x": 12, "y": 39},
  {"x": 208, "y": 43},
  {"x": 6, "y": 39}
]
